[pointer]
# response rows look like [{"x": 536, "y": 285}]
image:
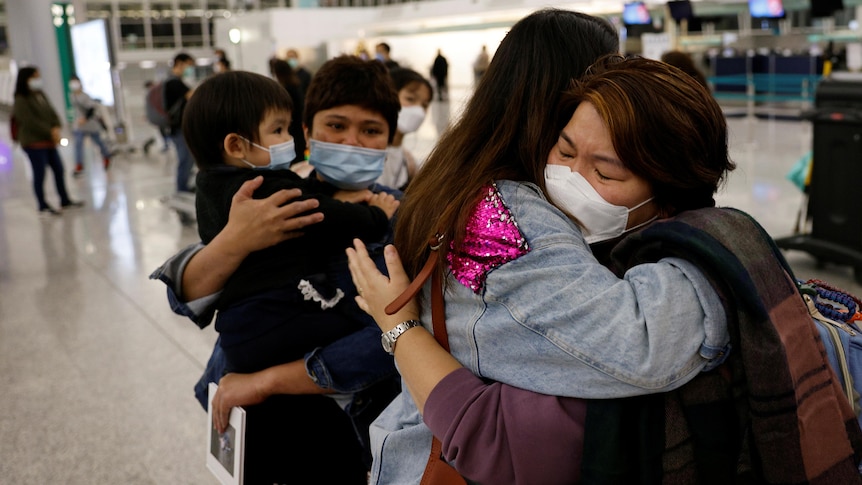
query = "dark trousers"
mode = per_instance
[{"x": 39, "y": 159}]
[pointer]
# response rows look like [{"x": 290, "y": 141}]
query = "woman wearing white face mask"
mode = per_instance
[
  {"x": 529, "y": 306},
  {"x": 39, "y": 133},
  {"x": 414, "y": 93}
]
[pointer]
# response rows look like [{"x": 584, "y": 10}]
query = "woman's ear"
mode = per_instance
[
  {"x": 305, "y": 132},
  {"x": 234, "y": 146}
]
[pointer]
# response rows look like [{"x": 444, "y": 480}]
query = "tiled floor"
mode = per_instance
[{"x": 96, "y": 373}]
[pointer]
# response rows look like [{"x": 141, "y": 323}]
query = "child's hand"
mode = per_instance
[
  {"x": 353, "y": 196},
  {"x": 386, "y": 202}
]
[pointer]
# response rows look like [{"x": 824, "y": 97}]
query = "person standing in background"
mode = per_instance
[
  {"x": 481, "y": 64},
  {"x": 285, "y": 75},
  {"x": 684, "y": 62},
  {"x": 440, "y": 71},
  {"x": 39, "y": 133},
  {"x": 302, "y": 73},
  {"x": 175, "y": 96},
  {"x": 87, "y": 124},
  {"x": 221, "y": 65},
  {"x": 382, "y": 54}
]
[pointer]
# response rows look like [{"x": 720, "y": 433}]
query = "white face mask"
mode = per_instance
[
  {"x": 410, "y": 118},
  {"x": 281, "y": 155},
  {"x": 74, "y": 85},
  {"x": 35, "y": 83},
  {"x": 600, "y": 219}
]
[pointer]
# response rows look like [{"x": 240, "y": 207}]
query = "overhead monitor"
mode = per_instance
[
  {"x": 825, "y": 8},
  {"x": 680, "y": 10},
  {"x": 636, "y": 13},
  {"x": 93, "y": 59},
  {"x": 766, "y": 9}
]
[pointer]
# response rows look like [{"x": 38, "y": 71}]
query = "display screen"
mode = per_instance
[
  {"x": 825, "y": 8},
  {"x": 636, "y": 13},
  {"x": 93, "y": 59},
  {"x": 681, "y": 10},
  {"x": 766, "y": 9}
]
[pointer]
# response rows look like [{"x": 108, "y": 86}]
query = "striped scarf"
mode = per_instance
[{"x": 773, "y": 413}]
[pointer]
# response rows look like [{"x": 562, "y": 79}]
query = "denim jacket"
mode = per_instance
[{"x": 557, "y": 322}]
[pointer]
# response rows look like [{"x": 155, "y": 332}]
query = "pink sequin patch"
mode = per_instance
[{"x": 493, "y": 238}]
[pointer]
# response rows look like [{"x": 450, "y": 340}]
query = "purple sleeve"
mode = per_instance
[{"x": 495, "y": 433}]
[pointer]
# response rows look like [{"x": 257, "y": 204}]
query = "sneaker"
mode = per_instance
[
  {"x": 48, "y": 211},
  {"x": 72, "y": 204}
]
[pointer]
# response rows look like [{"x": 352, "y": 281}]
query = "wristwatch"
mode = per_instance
[{"x": 388, "y": 338}]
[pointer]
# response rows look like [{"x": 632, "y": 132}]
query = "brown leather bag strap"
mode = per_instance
[
  {"x": 415, "y": 285},
  {"x": 438, "y": 311}
]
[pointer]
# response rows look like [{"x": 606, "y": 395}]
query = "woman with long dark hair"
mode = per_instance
[{"x": 39, "y": 133}]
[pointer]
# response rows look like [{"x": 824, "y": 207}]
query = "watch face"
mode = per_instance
[{"x": 387, "y": 342}]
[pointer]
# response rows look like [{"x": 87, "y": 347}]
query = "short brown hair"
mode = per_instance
[{"x": 664, "y": 125}]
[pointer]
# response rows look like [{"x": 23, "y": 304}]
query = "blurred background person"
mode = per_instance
[
  {"x": 88, "y": 124},
  {"x": 684, "y": 62},
  {"x": 414, "y": 95},
  {"x": 382, "y": 51},
  {"x": 303, "y": 74},
  {"x": 481, "y": 63},
  {"x": 440, "y": 71},
  {"x": 285, "y": 75},
  {"x": 221, "y": 65},
  {"x": 156, "y": 116},
  {"x": 176, "y": 94},
  {"x": 39, "y": 134}
]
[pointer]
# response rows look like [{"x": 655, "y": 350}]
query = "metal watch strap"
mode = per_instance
[{"x": 397, "y": 331}]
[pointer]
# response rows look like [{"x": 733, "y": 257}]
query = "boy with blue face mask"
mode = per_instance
[{"x": 287, "y": 300}]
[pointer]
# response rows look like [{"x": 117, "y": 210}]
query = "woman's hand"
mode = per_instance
[
  {"x": 376, "y": 290},
  {"x": 55, "y": 135},
  {"x": 260, "y": 223},
  {"x": 235, "y": 390}
]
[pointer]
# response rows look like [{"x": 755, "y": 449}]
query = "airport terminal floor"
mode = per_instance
[{"x": 96, "y": 372}]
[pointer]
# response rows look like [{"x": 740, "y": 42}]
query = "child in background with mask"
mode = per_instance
[
  {"x": 291, "y": 298},
  {"x": 414, "y": 94}
]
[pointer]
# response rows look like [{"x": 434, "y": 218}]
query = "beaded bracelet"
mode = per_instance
[{"x": 851, "y": 304}]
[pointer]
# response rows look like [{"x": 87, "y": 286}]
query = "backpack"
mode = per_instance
[
  {"x": 835, "y": 313},
  {"x": 156, "y": 113}
]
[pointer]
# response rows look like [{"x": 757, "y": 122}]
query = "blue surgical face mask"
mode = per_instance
[
  {"x": 281, "y": 155},
  {"x": 347, "y": 167},
  {"x": 294, "y": 63},
  {"x": 189, "y": 72}
]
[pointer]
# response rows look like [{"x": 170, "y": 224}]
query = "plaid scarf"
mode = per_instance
[{"x": 773, "y": 413}]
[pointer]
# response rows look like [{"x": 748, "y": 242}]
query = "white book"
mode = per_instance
[{"x": 226, "y": 451}]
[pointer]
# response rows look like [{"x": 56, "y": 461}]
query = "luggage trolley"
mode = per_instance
[{"x": 835, "y": 190}]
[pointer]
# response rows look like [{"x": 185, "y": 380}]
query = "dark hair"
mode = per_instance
[
  {"x": 24, "y": 75},
  {"x": 684, "y": 62},
  {"x": 351, "y": 80},
  {"x": 226, "y": 63},
  {"x": 402, "y": 76},
  {"x": 665, "y": 127},
  {"x": 507, "y": 129},
  {"x": 182, "y": 57},
  {"x": 231, "y": 102},
  {"x": 385, "y": 46}
]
